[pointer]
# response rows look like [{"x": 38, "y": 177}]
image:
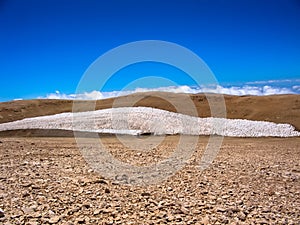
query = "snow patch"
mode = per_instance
[{"x": 139, "y": 120}]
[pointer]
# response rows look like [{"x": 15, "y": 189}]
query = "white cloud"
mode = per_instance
[
  {"x": 273, "y": 81},
  {"x": 296, "y": 88},
  {"x": 94, "y": 95},
  {"x": 173, "y": 89},
  {"x": 231, "y": 90},
  {"x": 249, "y": 90}
]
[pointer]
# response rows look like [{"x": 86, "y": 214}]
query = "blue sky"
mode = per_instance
[{"x": 47, "y": 45}]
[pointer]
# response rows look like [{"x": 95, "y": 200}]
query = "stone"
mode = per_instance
[
  {"x": 54, "y": 219},
  {"x": 28, "y": 184},
  {"x": 80, "y": 220},
  {"x": 27, "y": 210},
  {"x": 97, "y": 211},
  {"x": 145, "y": 194},
  {"x": 34, "y": 215},
  {"x": 170, "y": 189},
  {"x": 225, "y": 196},
  {"x": 1, "y": 213},
  {"x": 205, "y": 220},
  {"x": 263, "y": 221},
  {"x": 32, "y": 222},
  {"x": 170, "y": 217},
  {"x": 266, "y": 210},
  {"x": 219, "y": 209},
  {"x": 25, "y": 194},
  {"x": 100, "y": 181},
  {"x": 242, "y": 216}
]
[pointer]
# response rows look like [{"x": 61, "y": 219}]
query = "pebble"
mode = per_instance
[
  {"x": 97, "y": 211},
  {"x": 225, "y": 196},
  {"x": 242, "y": 216},
  {"x": 80, "y": 220},
  {"x": 221, "y": 210},
  {"x": 27, "y": 210},
  {"x": 2, "y": 213},
  {"x": 205, "y": 220},
  {"x": 54, "y": 219}
]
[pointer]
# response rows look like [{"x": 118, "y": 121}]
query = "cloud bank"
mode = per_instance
[{"x": 257, "y": 88}]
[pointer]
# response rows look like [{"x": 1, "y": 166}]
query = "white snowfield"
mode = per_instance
[{"x": 139, "y": 120}]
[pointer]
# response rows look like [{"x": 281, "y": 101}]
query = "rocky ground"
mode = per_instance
[{"x": 252, "y": 181}]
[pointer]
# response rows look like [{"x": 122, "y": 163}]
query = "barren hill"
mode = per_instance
[{"x": 276, "y": 108}]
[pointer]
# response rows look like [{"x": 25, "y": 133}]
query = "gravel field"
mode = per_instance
[{"x": 252, "y": 181}]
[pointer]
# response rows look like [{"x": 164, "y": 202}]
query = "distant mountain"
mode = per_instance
[{"x": 275, "y": 108}]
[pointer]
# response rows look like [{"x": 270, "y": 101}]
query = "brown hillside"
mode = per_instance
[{"x": 276, "y": 108}]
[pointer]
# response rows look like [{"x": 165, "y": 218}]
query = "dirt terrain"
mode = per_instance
[
  {"x": 44, "y": 178},
  {"x": 276, "y": 108},
  {"x": 252, "y": 181}
]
